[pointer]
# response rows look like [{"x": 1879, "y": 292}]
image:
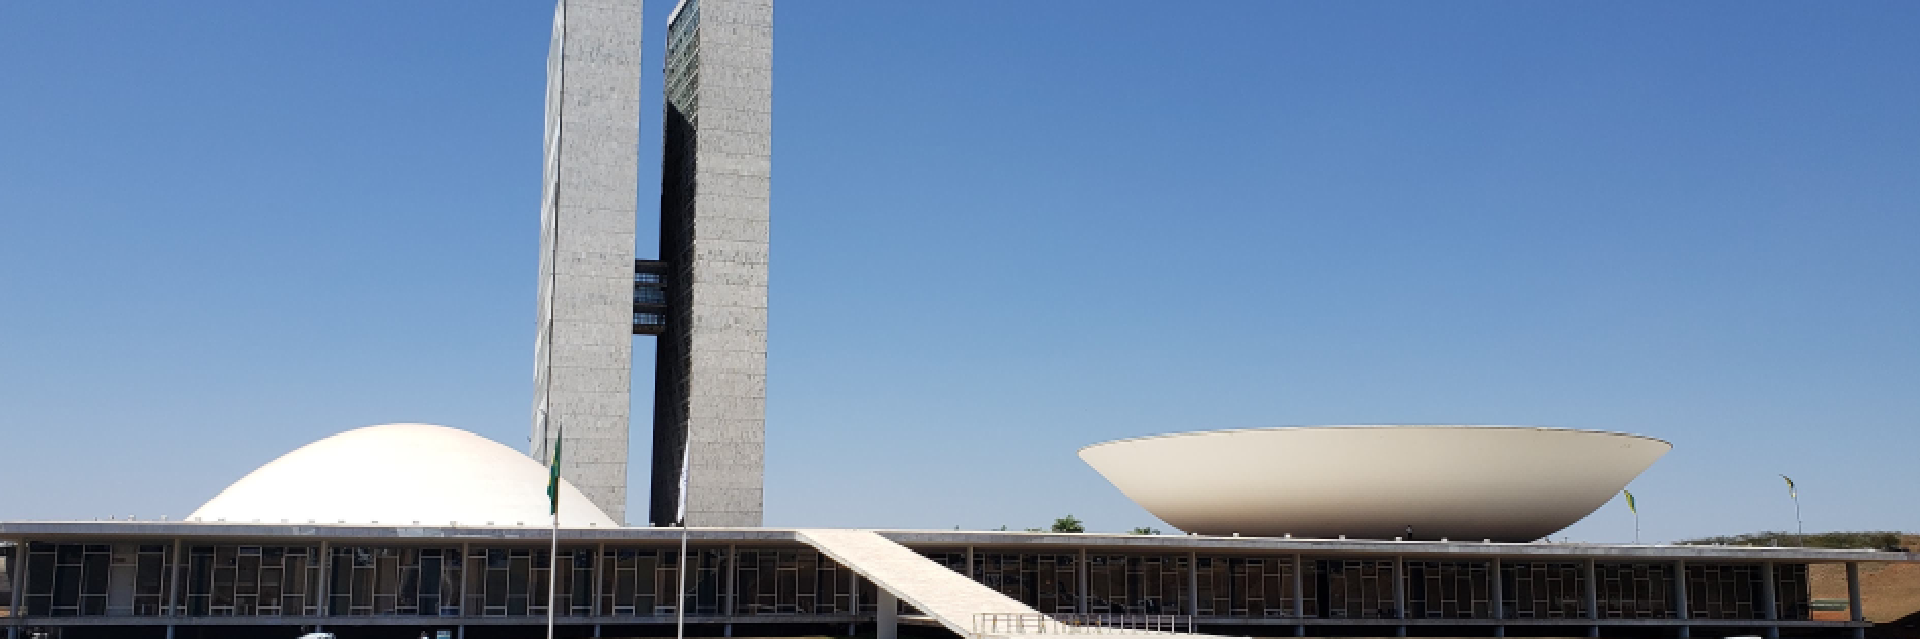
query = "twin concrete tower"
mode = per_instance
[{"x": 704, "y": 299}]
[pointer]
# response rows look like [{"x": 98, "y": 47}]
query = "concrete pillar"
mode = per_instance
[
  {"x": 1769, "y": 605},
  {"x": 1853, "y": 599},
  {"x": 17, "y": 565},
  {"x": 599, "y": 564},
  {"x": 1193, "y": 584},
  {"x": 973, "y": 570},
  {"x": 1299, "y": 593},
  {"x": 1080, "y": 573},
  {"x": 1400, "y": 591},
  {"x": 1593, "y": 631},
  {"x": 1500, "y": 630},
  {"x": 596, "y": 630},
  {"x": 1680, "y": 590},
  {"x": 1853, "y": 592},
  {"x": 1686, "y": 631},
  {"x": 887, "y": 617},
  {"x": 178, "y": 577},
  {"x": 1590, "y": 591},
  {"x": 1496, "y": 591},
  {"x": 16, "y": 608},
  {"x": 466, "y": 559},
  {"x": 733, "y": 572},
  {"x": 326, "y": 576}
]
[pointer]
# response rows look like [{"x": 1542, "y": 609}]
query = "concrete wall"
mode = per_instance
[
  {"x": 583, "y": 354},
  {"x": 715, "y": 216}
]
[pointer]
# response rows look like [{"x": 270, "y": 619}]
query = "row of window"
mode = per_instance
[
  {"x": 66, "y": 580},
  {"x": 1364, "y": 589},
  {"x": 262, "y": 580}
]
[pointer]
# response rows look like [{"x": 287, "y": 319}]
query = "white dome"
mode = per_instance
[{"x": 400, "y": 474}]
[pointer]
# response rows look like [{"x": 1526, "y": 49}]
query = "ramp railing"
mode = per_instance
[{"x": 1004, "y": 624}]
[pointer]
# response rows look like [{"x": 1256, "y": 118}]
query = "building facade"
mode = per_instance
[
  {"x": 583, "y": 353},
  {"x": 710, "y": 377},
  {"x": 95, "y": 579},
  {"x": 705, "y": 298}
]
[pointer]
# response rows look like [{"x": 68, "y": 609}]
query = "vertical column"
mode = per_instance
[
  {"x": 466, "y": 560},
  {"x": 1299, "y": 587},
  {"x": 1399, "y": 587},
  {"x": 1680, "y": 596},
  {"x": 1853, "y": 599},
  {"x": 1080, "y": 572},
  {"x": 733, "y": 572},
  {"x": 1590, "y": 594},
  {"x": 1769, "y": 602},
  {"x": 1299, "y": 595},
  {"x": 1193, "y": 584},
  {"x": 1400, "y": 594},
  {"x": 326, "y": 577},
  {"x": 179, "y": 565},
  {"x": 18, "y": 565},
  {"x": 599, "y": 565},
  {"x": 886, "y": 617},
  {"x": 1496, "y": 593},
  {"x": 972, "y": 572}
]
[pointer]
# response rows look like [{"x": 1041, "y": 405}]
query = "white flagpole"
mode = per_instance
[
  {"x": 553, "y": 552},
  {"x": 553, "y": 571},
  {"x": 680, "y": 606}
]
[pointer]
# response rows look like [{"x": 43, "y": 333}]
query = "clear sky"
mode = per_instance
[{"x": 1002, "y": 231}]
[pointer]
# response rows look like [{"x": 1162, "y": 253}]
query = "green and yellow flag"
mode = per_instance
[
  {"x": 1792, "y": 493},
  {"x": 553, "y": 477},
  {"x": 1630, "y": 504}
]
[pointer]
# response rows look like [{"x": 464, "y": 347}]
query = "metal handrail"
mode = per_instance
[{"x": 1023, "y": 623}]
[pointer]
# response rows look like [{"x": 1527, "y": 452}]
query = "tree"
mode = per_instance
[
  {"x": 1144, "y": 530},
  {"x": 1068, "y": 524}
]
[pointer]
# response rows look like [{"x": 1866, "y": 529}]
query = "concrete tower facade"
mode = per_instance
[
  {"x": 584, "y": 351},
  {"x": 711, "y": 374}
]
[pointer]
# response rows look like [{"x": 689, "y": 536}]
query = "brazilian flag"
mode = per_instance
[
  {"x": 553, "y": 477},
  {"x": 1630, "y": 505}
]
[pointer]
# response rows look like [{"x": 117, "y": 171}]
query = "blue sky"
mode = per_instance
[{"x": 1002, "y": 231}]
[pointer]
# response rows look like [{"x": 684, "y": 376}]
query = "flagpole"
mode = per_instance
[
  {"x": 680, "y": 606},
  {"x": 553, "y": 571},
  {"x": 553, "y": 497},
  {"x": 1635, "y": 509},
  {"x": 1799, "y": 527},
  {"x": 680, "y": 513}
]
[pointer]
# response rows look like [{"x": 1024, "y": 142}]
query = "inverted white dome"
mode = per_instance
[
  {"x": 1505, "y": 483},
  {"x": 400, "y": 474}
]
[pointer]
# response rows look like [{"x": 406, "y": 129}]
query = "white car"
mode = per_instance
[{"x": 319, "y": 635}]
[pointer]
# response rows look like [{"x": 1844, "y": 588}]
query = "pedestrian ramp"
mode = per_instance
[{"x": 957, "y": 602}]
